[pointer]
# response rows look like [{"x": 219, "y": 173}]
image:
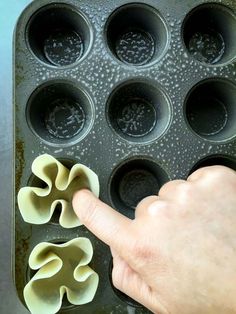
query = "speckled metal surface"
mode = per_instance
[{"x": 159, "y": 134}]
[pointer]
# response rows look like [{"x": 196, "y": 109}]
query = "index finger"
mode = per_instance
[{"x": 106, "y": 223}]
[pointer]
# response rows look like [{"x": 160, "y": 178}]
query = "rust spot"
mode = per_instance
[
  {"x": 21, "y": 262},
  {"x": 22, "y": 247},
  {"x": 20, "y": 163},
  {"x": 19, "y": 79}
]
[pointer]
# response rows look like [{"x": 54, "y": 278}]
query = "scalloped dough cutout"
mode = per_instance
[
  {"x": 37, "y": 204},
  {"x": 61, "y": 269}
]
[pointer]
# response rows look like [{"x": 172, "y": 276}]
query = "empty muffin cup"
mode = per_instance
[
  {"x": 215, "y": 160},
  {"x": 137, "y": 34},
  {"x": 59, "y": 35},
  {"x": 60, "y": 113},
  {"x": 138, "y": 111},
  {"x": 122, "y": 296},
  {"x": 209, "y": 33},
  {"x": 134, "y": 180},
  {"x": 211, "y": 111}
]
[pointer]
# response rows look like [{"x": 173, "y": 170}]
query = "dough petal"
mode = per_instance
[
  {"x": 37, "y": 205},
  {"x": 62, "y": 269}
]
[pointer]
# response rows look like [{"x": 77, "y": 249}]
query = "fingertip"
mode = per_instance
[
  {"x": 81, "y": 194},
  {"x": 82, "y": 200}
]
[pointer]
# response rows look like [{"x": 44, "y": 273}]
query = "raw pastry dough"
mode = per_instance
[
  {"x": 62, "y": 269},
  {"x": 37, "y": 205}
]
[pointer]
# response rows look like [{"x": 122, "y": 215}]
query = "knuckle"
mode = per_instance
[
  {"x": 219, "y": 175},
  {"x": 185, "y": 190},
  {"x": 214, "y": 172},
  {"x": 171, "y": 187},
  {"x": 165, "y": 187},
  {"x": 158, "y": 207},
  {"x": 185, "y": 195},
  {"x": 222, "y": 171}
]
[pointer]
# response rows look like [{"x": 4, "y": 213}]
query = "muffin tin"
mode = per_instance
[{"x": 140, "y": 92}]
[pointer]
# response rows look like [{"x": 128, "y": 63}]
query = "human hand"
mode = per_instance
[{"x": 179, "y": 253}]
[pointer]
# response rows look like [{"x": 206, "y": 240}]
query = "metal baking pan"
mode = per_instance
[{"x": 141, "y": 92}]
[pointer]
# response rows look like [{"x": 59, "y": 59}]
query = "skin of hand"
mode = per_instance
[{"x": 178, "y": 256}]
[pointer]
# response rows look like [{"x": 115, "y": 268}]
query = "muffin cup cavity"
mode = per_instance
[
  {"x": 138, "y": 111},
  {"x": 136, "y": 34},
  {"x": 210, "y": 110},
  {"x": 59, "y": 35},
  {"x": 60, "y": 113},
  {"x": 134, "y": 180},
  {"x": 209, "y": 34}
]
